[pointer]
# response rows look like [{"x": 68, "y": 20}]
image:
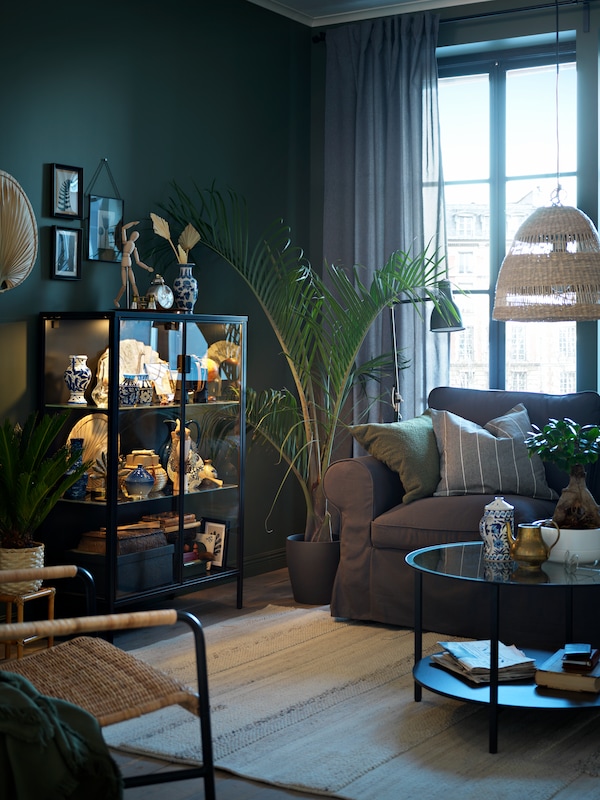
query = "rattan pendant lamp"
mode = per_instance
[{"x": 552, "y": 269}]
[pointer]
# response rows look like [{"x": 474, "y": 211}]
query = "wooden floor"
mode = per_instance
[
  {"x": 214, "y": 605},
  {"x": 211, "y": 606}
]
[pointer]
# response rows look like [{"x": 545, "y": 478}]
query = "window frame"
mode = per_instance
[{"x": 496, "y": 63}]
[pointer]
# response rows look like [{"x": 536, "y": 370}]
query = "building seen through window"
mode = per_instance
[{"x": 500, "y": 164}]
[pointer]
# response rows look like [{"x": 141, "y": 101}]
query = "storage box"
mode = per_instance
[{"x": 136, "y": 572}]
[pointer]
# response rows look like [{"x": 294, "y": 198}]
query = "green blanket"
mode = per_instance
[{"x": 51, "y": 749}]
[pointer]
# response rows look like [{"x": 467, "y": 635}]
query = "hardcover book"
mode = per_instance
[{"x": 552, "y": 675}]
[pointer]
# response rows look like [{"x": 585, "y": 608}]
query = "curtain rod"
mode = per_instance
[
  {"x": 501, "y": 12},
  {"x": 320, "y": 37}
]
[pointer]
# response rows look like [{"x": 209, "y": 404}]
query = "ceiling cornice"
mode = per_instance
[{"x": 369, "y": 10}]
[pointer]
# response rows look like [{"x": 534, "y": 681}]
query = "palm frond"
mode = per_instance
[{"x": 320, "y": 324}]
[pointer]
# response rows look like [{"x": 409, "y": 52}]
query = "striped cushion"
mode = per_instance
[{"x": 489, "y": 460}]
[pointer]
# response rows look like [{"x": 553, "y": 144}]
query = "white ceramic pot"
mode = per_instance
[{"x": 584, "y": 543}]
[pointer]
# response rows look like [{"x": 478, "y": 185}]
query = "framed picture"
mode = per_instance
[
  {"x": 66, "y": 253},
  {"x": 206, "y": 541},
  {"x": 106, "y": 222},
  {"x": 67, "y": 191},
  {"x": 218, "y": 529}
]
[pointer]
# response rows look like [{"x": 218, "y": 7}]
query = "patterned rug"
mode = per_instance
[{"x": 308, "y": 702}]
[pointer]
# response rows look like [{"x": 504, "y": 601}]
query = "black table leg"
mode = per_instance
[
  {"x": 418, "y": 629},
  {"x": 494, "y": 633}
]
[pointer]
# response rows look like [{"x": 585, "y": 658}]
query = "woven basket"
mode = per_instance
[{"x": 21, "y": 558}]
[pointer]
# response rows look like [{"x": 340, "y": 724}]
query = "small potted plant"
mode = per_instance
[
  {"x": 571, "y": 446},
  {"x": 33, "y": 477}
]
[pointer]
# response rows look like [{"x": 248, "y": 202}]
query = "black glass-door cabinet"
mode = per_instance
[{"x": 156, "y": 403}]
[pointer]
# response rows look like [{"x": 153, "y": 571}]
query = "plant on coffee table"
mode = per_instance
[{"x": 570, "y": 446}]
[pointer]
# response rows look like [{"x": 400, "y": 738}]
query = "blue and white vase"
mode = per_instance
[
  {"x": 185, "y": 289},
  {"x": 496, "y": 527},
  {"x": 139, "y": 483},
  {"x": 129, "y": 391},
  {"x": 77, "y": 377},
  {"x": 79, "y": 488}
]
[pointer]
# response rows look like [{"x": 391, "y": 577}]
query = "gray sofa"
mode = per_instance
[{"x": 378, "y": 530}]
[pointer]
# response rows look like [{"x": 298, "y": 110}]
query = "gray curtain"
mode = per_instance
[{"x": 383, "y": 179}]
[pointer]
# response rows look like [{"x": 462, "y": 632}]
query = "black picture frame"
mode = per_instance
[
  {"x": 105, "y": 226},
  {"x": 220, "y": 529},
  {"x": 67, "y": 192},
  {"x": 66, "y": 253}
]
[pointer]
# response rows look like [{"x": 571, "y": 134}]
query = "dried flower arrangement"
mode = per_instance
[{"x": 189, "y": 237}]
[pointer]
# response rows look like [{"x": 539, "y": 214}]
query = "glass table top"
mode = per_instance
[{"x": 464, "y": 560}]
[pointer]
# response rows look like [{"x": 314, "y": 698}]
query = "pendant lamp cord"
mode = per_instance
[{"x": 556, "y": 201}]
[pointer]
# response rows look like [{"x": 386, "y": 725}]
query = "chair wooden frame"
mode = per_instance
[{"x": 76, "y": 670}]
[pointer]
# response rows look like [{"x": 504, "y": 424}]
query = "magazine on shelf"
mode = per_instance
[
  {"x": 552, "y": 675},
  {"x": 472, "y": 661}
]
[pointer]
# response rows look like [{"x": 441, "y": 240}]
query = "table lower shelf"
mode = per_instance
[{"x": 516, "y": 694}]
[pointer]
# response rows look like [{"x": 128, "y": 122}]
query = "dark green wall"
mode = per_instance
[{"x": 192, "y": 91}]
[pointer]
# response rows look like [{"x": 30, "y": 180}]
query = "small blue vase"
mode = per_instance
[
  {"x": 139, "y": 483},
  {"x": 77, "y": 377},
  {"x": 185, "y": 289}
]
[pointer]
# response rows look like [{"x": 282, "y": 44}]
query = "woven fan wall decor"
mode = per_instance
[{"x": 18, "y": 234}]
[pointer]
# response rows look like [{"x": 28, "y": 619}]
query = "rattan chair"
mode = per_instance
[{"x": 107, "y": 682}]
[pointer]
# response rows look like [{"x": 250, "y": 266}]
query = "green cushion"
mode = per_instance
[
  {"x": 408, "y": 448},
  {"x": 488, "y": 460}
]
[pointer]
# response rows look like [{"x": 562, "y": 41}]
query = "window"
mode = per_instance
[{"x": 498, "y": 123}]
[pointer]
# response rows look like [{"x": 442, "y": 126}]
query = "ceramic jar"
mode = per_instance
[
  {"x": 139, "y": 483},
  {"x": 77, "y": 377},
  {"x": 496, "y": 527},
  {"x": 129, "y": 391},
  {"x": 146, "y": 394},
  {"x": 185, "y": 289}
]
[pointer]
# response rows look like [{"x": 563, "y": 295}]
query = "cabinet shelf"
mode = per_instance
[{"x": 195, "y": 389}]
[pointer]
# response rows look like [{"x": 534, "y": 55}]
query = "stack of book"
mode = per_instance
[
  {"x": 471, "y": 660},
  {"x": 573, "y": 668}
]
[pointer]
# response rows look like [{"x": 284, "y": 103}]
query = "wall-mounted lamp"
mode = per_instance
[{"x": 445, "y": 318}]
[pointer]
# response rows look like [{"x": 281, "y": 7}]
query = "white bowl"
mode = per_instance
[{"x": 583, "y": 543}]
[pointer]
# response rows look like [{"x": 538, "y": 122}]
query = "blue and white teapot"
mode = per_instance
[{"x": 496, "y": 527}]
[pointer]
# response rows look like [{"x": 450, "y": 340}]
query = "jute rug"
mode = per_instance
[{"x": 307, "y": 702}]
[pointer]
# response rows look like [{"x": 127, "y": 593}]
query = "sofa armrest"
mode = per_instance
[{"x": 362, "y": 488}]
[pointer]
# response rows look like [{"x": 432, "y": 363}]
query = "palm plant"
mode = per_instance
[
  {"x": 320, "y": 325},
  {"x": 33, "y": 476}
]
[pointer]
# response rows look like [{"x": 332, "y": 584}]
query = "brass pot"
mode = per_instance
[{"x": 528, "y": 548}]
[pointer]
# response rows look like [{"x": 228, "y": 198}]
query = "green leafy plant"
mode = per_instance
[
  {"x": 320, "y": 326},
  {"x": 570, "y": 446},
  {"x": 33, "y": 476}
]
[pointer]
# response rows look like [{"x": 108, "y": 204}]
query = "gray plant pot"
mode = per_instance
[{"x": 312, "y": 567}]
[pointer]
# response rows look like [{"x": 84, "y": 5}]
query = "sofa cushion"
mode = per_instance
[
  {"x": 440, "y": 520},
  {"x": 408, "y": 448},
  {"x": 492, "y": 459}
]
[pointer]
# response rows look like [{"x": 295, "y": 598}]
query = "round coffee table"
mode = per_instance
[{"x": 464, "y": 561}]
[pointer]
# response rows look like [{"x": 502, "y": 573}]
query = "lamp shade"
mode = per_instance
[
  {"x": 552, "y": 270},
  {"x": 445, "y": 317}
]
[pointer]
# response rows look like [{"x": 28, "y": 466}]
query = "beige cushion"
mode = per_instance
[
  {"x": 408, "y": 448},
  {"x": 488, "y": 460}
]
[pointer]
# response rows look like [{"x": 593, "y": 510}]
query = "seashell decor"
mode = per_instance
[{"x": 18, "y": 234}]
